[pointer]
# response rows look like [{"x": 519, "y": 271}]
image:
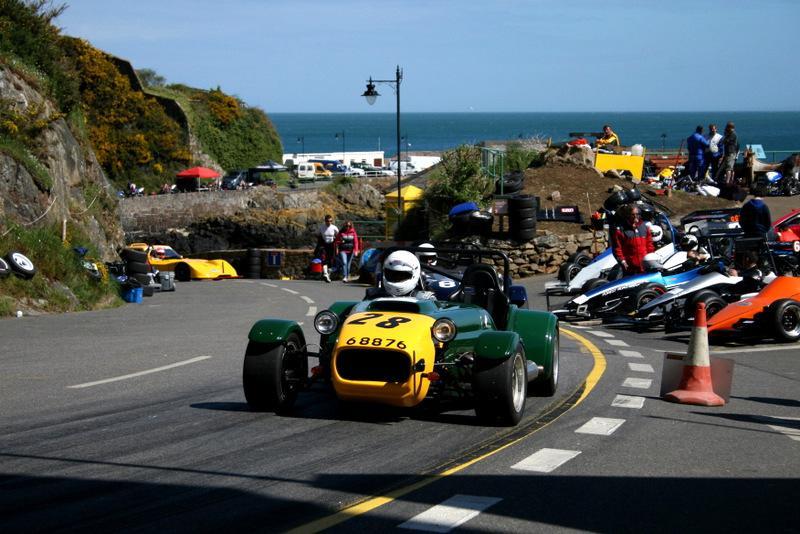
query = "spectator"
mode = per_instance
[
  {"x": 755, "y": 218},
  {"x": 696, "y": 145},
  {"x": 714, "y": 151},
  {"x": 631, "y": 241},
  {"x": 730, "y": 151},
  {"x": 347, "y": 247},
  {"x": 326, "y": 237},
  {"x": 609, "y": 138}
]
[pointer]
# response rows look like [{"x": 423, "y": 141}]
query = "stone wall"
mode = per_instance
[{"x": 160, "y": 212}]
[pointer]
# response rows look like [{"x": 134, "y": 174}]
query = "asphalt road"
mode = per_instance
[{"x": 170, "y": 443}]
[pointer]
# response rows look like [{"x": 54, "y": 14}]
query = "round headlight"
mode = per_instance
[
  {"x": 443, "y": 330},
  {"x": 326, "y": 322}
]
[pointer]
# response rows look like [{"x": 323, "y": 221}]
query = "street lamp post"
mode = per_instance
[
  {"x": 371, "y": 95},
  {"x": 302, "y": 139},
  {"x": 341, "y": 134}
]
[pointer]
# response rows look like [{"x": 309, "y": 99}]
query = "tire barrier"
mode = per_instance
[
  {"x": 511, "y": 184},
  {"x": 20, "y": 265},
  {"x": 522, "y": 217},
  {"x": 252, "y": 263}
]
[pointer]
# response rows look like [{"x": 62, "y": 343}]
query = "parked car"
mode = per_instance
[
  {"x": 234, "y": 180},
  {"x": 164, "y": 258}
]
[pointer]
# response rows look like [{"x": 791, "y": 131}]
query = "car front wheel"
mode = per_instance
[
  {"x": 786, "y": 319},
  {"x": 501, "y": 388},
  {"x": 274, "y": 374}
]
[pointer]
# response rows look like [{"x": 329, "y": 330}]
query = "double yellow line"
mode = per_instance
[{"x": 371, "y": 503}]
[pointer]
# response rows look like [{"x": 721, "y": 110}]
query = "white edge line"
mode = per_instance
[{"x": 140, "y": 373}]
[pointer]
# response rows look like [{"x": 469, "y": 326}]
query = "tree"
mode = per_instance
[{"x": 151, "y": 78}]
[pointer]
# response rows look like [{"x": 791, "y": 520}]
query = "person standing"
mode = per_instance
[
  {"x": 609, "y": 138},
  {"x": 631, "y": 241},
  {"x": 326, "y": 237},
  {"x": 714, "y": 151},
  {"x": 755, "y": 218},
  {"x": 347, "y": 248},
  {"x": 696, "y": 145},
  {"x": 730, "y": 151}
]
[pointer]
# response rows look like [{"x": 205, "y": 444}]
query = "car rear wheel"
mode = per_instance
[
  {"x": 546, "y": 386},
  {"x": 183, "y": 273},
  {"x": 592, "y": 284},
  {"x": 568, "y": 271},
  {"x": 5, "y": 270},
  {"x": 583, "y": 258},
  {"x": 646, "y": 294},
  {"x": 274, "y": 374},
  {"x": 501, "y": 388},
  {"x": 785, "y": 314}
]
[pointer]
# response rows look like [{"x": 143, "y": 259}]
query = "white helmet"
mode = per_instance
[
  {"x": 656, "y": 233},
  {"x": 428, "y": 258},
  {"x": 652, "y": 262},
  {"x": 401, "y": 271},
  {"x": 689, "y": 242}
]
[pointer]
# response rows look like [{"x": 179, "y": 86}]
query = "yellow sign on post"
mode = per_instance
[{"x": 410, "y": 198}]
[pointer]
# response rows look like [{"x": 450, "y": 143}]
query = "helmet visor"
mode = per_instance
[{"x": 392, "y": 275}]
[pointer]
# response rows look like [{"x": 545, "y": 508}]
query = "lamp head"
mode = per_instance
[{"x": 370, "y": 94}]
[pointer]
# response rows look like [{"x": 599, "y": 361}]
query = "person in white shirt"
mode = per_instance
[
  {"x": 326, "y": 236},
  {"x": 713, "y": 152}
]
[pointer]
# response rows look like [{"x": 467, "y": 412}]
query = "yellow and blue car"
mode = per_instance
[
  {"x": 164, "y": 258},
  {"x": 477, "y": 346}
]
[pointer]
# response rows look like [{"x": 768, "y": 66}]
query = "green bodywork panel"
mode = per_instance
[
  {"x": 274, "y": 331},
  {"x": 496, "y": 345},
  {"x": 539, "y": 333}
]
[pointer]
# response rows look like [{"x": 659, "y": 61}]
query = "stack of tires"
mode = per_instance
[
  {"x": 522, "y": 217},
  {"x": 511, "y": 184},
  {"x": 18, "y": 264},
  {"x": 136, "y": 265},
  {"x": 252, "y": 263}
]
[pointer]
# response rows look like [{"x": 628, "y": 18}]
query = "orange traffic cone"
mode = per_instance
[{"x": 695, "y": 386}]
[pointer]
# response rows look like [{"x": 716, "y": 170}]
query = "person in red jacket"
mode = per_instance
[
  {"x": 347, "y": 247},
  {"x": 631, "y": 241}
]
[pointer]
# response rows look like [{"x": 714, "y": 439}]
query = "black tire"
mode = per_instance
[
  {"x": 523, "y": 224},
  {"x": 523, "y": 213},
  {"x": 254, "y": 253},
  {"x": 501, "y": 388},
  {"x": 646, "y": 294},
  {"x": 524, "y": 235},
  {"x": 128, "y": 254},
  {"x": 714, "y": 303},
  {"x": 5, "y": 269},
  {"x": 143, "y": 279},
  {"x": 519, "y": 202},
  {"x": 593, "y": 283},
  {"x": 706, "y": 295},
  {"x": 510, "y": 186},
  {"x": 183, "y": 273},
  {"x": 785, "y": 317},
  {"x": 274, "y": 374},
  {"x": 21, "y": 265},
  {"x": 137, "y": 267},
  {"x": 583, "y": 258},
  {"x": 568, "y": 271},
  {"x": 545, "y": 386}
]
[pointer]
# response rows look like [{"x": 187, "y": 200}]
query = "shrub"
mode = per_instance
[{"x": 518, "y": 157}]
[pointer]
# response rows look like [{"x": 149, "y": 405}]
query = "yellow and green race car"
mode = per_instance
[
  {"x": 403, "y": 351},
  {"x": 164, "y": 258}
]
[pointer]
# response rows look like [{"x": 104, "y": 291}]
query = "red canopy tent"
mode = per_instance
[
  {"x": 189, "y": 180},
  {"x": 203, "y": 173}
]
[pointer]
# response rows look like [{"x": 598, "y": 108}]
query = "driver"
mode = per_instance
[
  {"x": 694, "y": 252},
  {"x": 401, "y": 277},
  {"x": 427, "y": 258}
]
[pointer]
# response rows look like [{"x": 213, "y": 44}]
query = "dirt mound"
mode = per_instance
[{"x": 586, "y": 188}]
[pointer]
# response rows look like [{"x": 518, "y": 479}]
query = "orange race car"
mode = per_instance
[{"x": 773, "y": 312}]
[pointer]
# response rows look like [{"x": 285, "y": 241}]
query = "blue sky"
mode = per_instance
[{"x": 462, "y": 55}]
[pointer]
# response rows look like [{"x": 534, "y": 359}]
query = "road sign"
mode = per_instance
[{"x": 274, "y": 258}]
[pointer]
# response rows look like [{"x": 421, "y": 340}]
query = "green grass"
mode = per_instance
[
  {"x": 61, "y": 283},
  {"x": 23, "y": 156}
]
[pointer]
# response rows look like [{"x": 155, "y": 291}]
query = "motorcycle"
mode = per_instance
[{"x": 774, "y": 183}]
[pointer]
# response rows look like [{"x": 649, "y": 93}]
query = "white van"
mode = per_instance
[{"x": 305, "y": 171}]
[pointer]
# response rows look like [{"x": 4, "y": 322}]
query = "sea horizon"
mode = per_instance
[{"x": 775, "y": 131}]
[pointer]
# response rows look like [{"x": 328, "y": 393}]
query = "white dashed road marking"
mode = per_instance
[
  {"x": 140, "y": 373},
  {"x": 602, "y": 426},
  {"x": 545, "y": 460},
  {"x": 308, "y": 300},
  {"x": 268, "y": 284},
  {"x": 631, "y": 354},
  {"x": 790, "y": 432},
  {"x": 638, "y": 383},
  {"x": 453, "y": 512},
  {"x": 312, "y": 311},
  {"x": 293, "y": 292},
  {"x": 617, "y": 343},
  {"x": 640, "y": 367},
  {"x": 599, "y": 334},
  {"x": 627, "y": 401}
]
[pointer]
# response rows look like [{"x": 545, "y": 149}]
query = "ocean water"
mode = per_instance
[{"x": 322, "y": 132}]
